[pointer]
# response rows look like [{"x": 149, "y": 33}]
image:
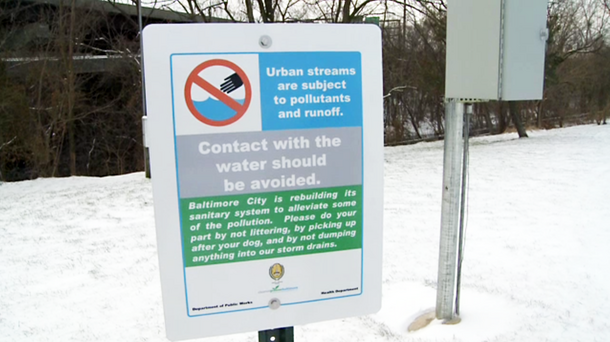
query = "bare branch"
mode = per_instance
[
  {"x": 7, "y": 143},
  {"x": 398, "y": 89}
]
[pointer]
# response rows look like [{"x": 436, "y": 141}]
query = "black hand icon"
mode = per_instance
[{"x": 231, "y": 83}]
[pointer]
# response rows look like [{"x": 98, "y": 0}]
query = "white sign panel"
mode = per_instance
[
  {"x": 473, "y": 49},
  {"x": 495, "y": 49},
  {"x": 524, "y": 38},
  {"x": 266, "y": 146}
]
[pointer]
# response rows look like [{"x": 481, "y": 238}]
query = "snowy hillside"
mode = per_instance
[{"x": 78, "y": 258}]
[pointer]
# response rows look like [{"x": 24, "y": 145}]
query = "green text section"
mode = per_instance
[{"x": 226, "y": 229}]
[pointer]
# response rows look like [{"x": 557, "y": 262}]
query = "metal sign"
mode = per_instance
[
  {"x": 266, "y": 151},
  {"x": 496, "y": 49}
]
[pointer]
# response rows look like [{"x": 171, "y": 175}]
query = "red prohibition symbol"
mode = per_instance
[{"x": 194, "y": 78}]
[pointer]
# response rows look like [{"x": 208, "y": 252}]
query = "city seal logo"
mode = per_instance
[{"x": 276, "y": 271}]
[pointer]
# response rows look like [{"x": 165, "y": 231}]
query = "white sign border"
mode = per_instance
[{"x": 160, "y": 42}]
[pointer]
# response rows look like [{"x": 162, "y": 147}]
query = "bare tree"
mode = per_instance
[{"x": 576, "y": 28}]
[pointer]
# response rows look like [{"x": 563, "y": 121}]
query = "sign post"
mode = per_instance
[
  {"x": 277, "y": 335},
  {"x": 495, "y": 51},
  {"x": 267, "y": 147}
]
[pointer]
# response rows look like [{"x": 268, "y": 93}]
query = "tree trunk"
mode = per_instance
[
  {"x": 71, "y": 90},
  {"x": 414, "y": 123},
  {"x": 440, "y": 111},
  {"x": 501, "y": 118},
  {"x": 269, "y": 6},
  {"x": 490, "y": 126},
  {"x": 516, "y": 117},
  {"x": 267, "y": 10},
  {"x": 249, "y": 11},
  {"x": 540, "y": 109},
  {"x": 346, "y": 17}
]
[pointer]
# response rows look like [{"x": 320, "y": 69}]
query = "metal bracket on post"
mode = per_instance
[
  {"x": 145, "y": 131},
  {"x": 146, "y": 146},
  {"x": 147, "y": 172},
  {"x": 277, "y": 335}
]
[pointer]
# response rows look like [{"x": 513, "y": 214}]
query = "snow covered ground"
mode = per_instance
[{"x": 78, "y": 257}]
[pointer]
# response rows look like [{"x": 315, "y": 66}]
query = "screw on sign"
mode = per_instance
[{"x": 219, "y": 108}]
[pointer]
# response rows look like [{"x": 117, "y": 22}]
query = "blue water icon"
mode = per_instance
[{"x": 216, "y": 110}]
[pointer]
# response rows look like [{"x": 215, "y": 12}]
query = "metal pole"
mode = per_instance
[
  {"x": 277, "y": 335},
  {"x": 144, "y": 144},
  {"x": 450, "y": 211},
  {"x": 463, "y": 205}
]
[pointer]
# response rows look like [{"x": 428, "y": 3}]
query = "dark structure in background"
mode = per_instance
[
  {"x": 70, "y": 87},
  {"x": 28, "y": 25}
]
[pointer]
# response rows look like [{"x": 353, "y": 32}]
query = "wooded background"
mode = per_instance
[{"x": 70, "y": 82}]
